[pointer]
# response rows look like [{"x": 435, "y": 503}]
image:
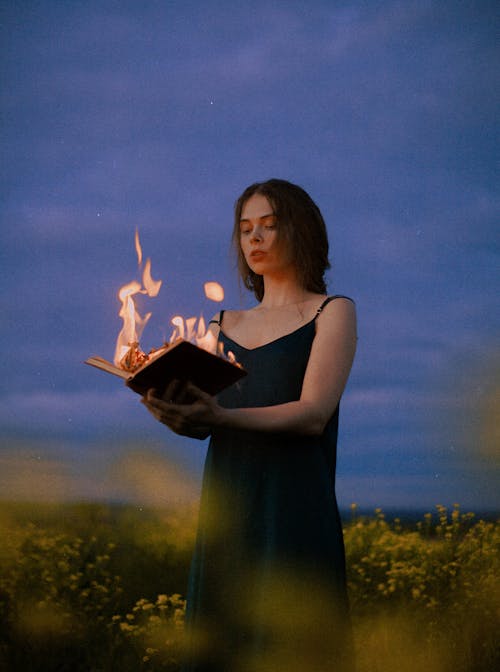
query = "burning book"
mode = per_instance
[
  {"x": 181, "y": 360},
  {"x": 192, "y": 354}
]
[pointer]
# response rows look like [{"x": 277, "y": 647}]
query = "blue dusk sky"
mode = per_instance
[{"x": 156, "y": 115}]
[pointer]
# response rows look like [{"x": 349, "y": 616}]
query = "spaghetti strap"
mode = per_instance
[
  {"x": 331, "y": 298},
  {"x": 219, "y": 321}
]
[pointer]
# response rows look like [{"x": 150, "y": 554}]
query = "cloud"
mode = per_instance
[{"x": 116, "y": 117}]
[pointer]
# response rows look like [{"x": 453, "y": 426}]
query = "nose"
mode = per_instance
[{"x": 256, "y": 234}]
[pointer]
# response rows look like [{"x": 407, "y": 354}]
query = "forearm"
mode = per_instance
[{"x": 297, "y": 417}]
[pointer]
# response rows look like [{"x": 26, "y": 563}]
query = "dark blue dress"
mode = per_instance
[{"x": 267, "y": 584}]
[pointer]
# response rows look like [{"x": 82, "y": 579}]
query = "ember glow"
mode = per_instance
[{"x": 128, "y": 354}]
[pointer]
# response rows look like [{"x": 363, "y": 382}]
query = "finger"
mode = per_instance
[
  {"x": 151, "y": 394},
  {"x": 161, "y": 407},
  {"x": 171, "y": 391},
  {"x": 156, "y": 405},
  {"x": 152, "y": 406},
  {"x": 183, "y": 394},
  {"x": 165, "y": 413},
  {"x": 195, "y": 391}
]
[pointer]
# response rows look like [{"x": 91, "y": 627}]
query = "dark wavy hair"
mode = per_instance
[{"x": 300, "y": 225}]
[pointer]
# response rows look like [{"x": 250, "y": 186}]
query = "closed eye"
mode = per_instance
[{"x": 268, "y": 221}]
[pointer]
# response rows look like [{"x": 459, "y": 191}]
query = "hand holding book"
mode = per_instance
[{"x": 184, "y": 408}]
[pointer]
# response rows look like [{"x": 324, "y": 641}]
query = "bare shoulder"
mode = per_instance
[
  {"x": 214, "y": 324},
  {"x": 339, "y": 314},
  {"x": 233, "y": 318},
  {"x": 216, "y": 317}
]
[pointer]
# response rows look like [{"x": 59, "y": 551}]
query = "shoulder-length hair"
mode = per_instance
[{"x": 300, "y": 225}]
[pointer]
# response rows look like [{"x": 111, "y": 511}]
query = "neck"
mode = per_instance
[{"x": 283, "y": 292}]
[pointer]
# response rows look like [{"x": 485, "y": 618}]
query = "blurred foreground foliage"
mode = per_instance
[{"x": 98, "y": 588}]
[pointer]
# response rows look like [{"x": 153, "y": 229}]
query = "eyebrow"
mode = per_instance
[{"x": 270, "y": 214}]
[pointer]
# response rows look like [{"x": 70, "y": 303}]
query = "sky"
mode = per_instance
[{"x": 157, "y": 115}]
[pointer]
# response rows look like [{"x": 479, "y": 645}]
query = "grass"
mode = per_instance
[{"x": 99, "y": 588}]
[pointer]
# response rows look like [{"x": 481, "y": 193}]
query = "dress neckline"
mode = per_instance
[
  {"x": 290, "y": 333},
  {"x": 275, "y": 340}
]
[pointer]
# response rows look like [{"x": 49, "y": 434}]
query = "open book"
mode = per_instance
[{"x": 181, "y": 361}]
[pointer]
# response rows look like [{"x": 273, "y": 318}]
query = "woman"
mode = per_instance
[{"x": 267, "y": 583}]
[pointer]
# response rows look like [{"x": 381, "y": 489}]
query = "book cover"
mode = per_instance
[{"x": 182, "y": 361}]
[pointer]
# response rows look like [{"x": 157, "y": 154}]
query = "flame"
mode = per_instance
[
  {"x": 151, "y": 287},
  {"x": 214, "y": 291},
  {"x": 133, "y": 323},
  {"x": 205, "y": 338},
  {"x": 193, "y": 329},
  {"x": 138, "y": 247},
  {"x": 128, "y": 354},
  {"x": 178, "y": 332}
]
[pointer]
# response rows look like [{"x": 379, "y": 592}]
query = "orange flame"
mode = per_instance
[
  {"x": 138, "y": 247},
  {"x": 198, "y": 333},
  {"x": 214, "y": 291},
  {"x": 151, "y": 287},
  {"x": 128, "y": 354},
  {"x": 133, "y": 323},
  {"x": 189, "y": 330}
]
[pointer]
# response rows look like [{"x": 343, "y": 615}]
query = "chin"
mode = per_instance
[{"x": 258, "y": 267}]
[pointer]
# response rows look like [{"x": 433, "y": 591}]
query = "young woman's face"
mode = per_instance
[{"x": 263, "y": 252}]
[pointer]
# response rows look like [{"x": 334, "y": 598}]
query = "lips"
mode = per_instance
[{"x": 257, "y": 254}]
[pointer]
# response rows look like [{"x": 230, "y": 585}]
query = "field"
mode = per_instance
[{"x": 99, "y": 588}]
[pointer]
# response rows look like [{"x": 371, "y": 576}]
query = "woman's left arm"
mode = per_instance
[{"x": 330, "y": 362}]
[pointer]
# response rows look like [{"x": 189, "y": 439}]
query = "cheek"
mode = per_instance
[
  {"x": 282, "y": 249},
  {"x": 275, "y": 244},
  {"x": 243, "y": 244},
  {"x": 244, "y": 249}
]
